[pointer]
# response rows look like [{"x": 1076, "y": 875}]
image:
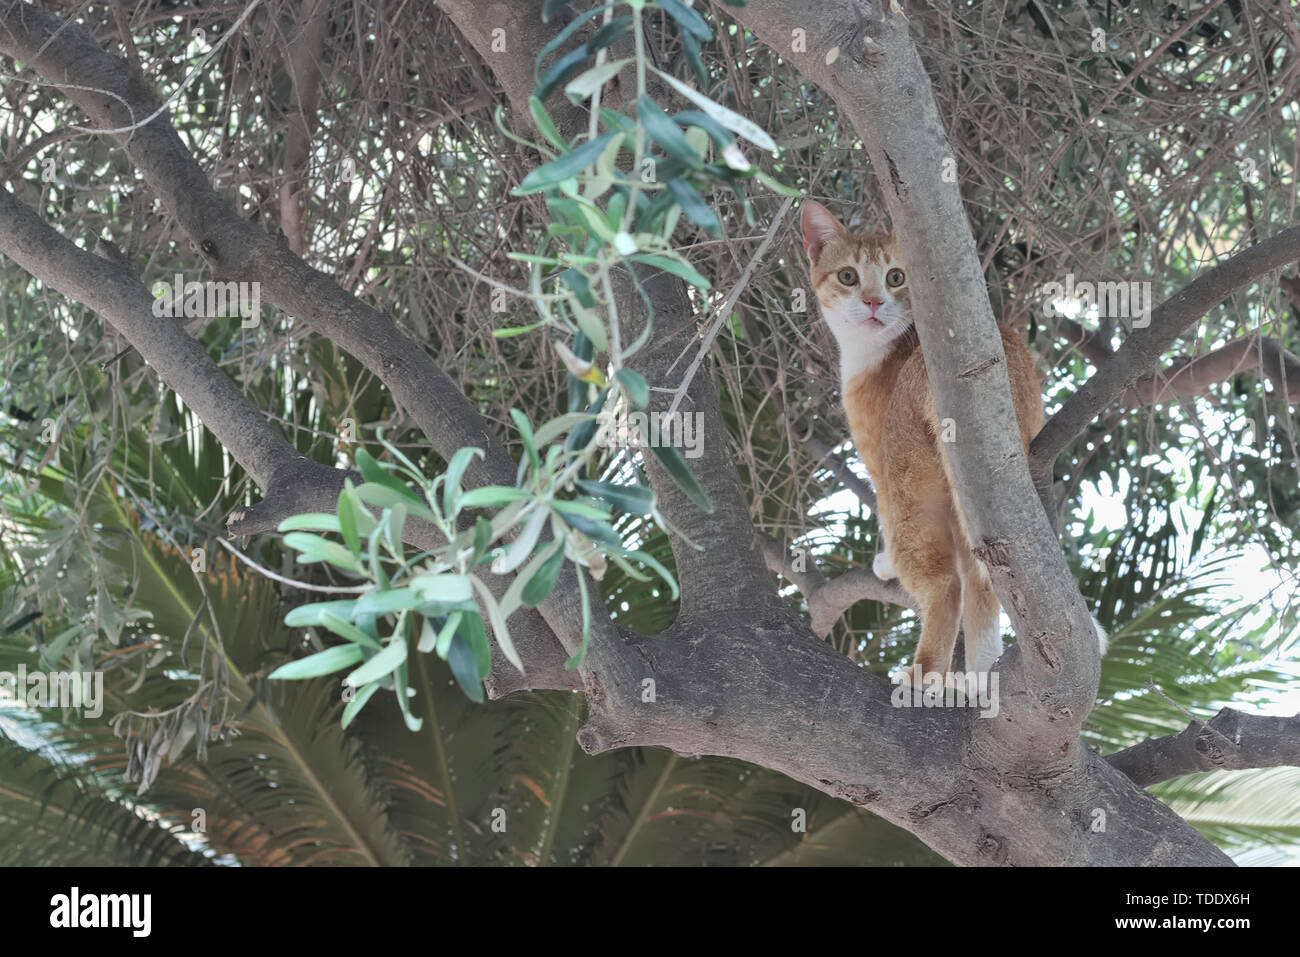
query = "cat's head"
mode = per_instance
[{"x": 862, "y": 286}]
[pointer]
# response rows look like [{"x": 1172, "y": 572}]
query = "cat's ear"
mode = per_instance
[{"x": 819, "y": 227}]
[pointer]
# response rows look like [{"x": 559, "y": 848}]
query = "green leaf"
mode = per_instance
[
  {"x": 691, "y": 47},
  {"x": 385, "y": 496},
  {"x": 545, "y": 125},
  {"x": 322, "y": 663},
  {"x": 526, "y": 433},
  {"x": 413, "y": 724},
  {"x": 316, "y": 521},
  {"x": 566, "y": 167},
  {"x": 583, "y": 509},
  {"x": 428, "y": 636},
  {"x": 305, "y": 616},
  {"x": 345, "y": 629},
  {"x": 519, "y": 550},
  {"x": 654, "y": 563},
  {"x": 575, "y": 659},
  {"x": 583, "y": 86},
  {"x": 559, "y": 425},
  {"x": 394, "y": 523},
  {"x": 460, "y": 656},
  {"x": 564, "y": 34},
  {"x": 540, "y": 585},
  {"x": 716, "y": 130},
  {"x": 596, "y": 531},
  {"x": 348, "y": 520},
  {"x": 384, "y": 663},
  {"x": 455, "y": 471},
  {"x": 577, "y": 281},
  {"x": 690, "y": 21},
  {"x": 513, "y": 331},
  {"x": 385, "y": 602},
  {"x": 666, "y": 133},
  {"x": 499, "y": 630},
  {"x": 492, "y": 496},
  {"x": 449, "y": 630},
  {"x": 608, "y": 33},
  {"x": 774, "y": 185},
  {"x": 590, "y": 325},
  {"x": 559, "y": 71},
  {"x": 634, "y": 499},
  {"x": 673, "y": 462},
  {"x": 377, "y": 572},
  {"x": 675, "y": 265},
  {"x": 357, "y": 703},
  {"x": 372, "y": 471},
  {"x": 580, "y": 436},
  {"x": 728, "y": 118},
  {"x": 313, "y": 548},
  {"x": 472, "y": 625},
  {"x": 694, "y": 206},
  {"x": 482, "y": 537},
  {"x": 635, "y": 385},
  {"x": 446, "y": 588},
  {"x": 578, "y": 390}
]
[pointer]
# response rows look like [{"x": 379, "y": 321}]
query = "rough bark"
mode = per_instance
[
  {"x": 743, "y": 677},
  {"x": 1230, "y": 741}
]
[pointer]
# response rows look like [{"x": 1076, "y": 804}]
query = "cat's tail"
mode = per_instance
[{"x": 1103, "y": 639}]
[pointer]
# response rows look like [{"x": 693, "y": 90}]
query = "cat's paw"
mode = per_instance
[
  {"x": 912, "y": 676},
  {"x": 882, "y": 566}
]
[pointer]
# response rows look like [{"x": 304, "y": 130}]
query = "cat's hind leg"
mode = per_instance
[
  {"x": 927, "y": 568},
  {"x": 981, "y": 617}
]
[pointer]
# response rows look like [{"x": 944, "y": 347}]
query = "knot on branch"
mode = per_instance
[
  {"x": 895, "y": 178},
  {"x": 975, "y": 371},
  {"x": 995, "y": 552},
  {"x": 992, "y": 848},
  {"x": 967, "y": 802},
  {"x": 1213, "y": 746},
  {"x": 859, "y": 40},
  {"x": 1048, "y": 652}
]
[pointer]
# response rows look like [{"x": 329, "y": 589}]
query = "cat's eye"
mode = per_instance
[
  {"x": 848, "y": 277},
  {"x": 894, "y": 278}
]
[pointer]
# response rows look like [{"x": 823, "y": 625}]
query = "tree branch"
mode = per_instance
[
  {"x": 1230, "y": 741},
  {"x": 1190, "y": 377},
  {"x": 1091, "y": 346},
  {"x": 769, "y": 695},
  {"x": 303, "y": 51},
  {"x": 829, "y": 599},
  {"x": 125, "y": 303},
  {"x": 1144, "y": 347},
  {"x": 868, "y": 63}
]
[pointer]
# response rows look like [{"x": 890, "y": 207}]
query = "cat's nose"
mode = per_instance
[{"x": 874, "y": 304}]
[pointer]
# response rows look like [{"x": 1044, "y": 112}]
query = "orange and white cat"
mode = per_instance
[{"x": 862, "y": 285}]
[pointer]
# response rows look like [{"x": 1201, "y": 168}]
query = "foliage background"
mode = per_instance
[{"x": 1131, "y": 162}]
